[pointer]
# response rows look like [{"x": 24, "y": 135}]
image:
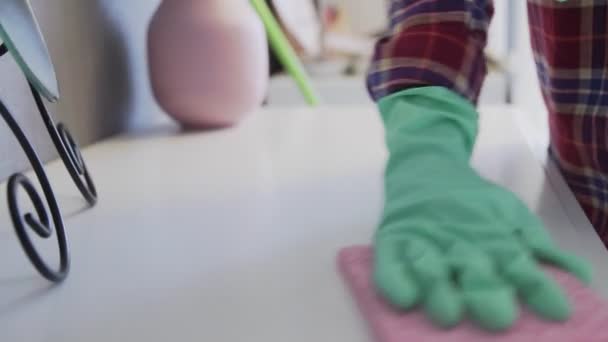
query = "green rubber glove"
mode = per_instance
[{"x": 451, "y": 241}]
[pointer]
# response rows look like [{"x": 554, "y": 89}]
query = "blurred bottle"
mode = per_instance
[{"x": 208, "y": 61}]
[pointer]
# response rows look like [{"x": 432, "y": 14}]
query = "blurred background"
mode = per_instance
[{"x": 99, "y": 50}]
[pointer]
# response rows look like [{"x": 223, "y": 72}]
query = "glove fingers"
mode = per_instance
[
  {"x": 392, "y": 276},
  {"x": 444, "y": 305},
  {"x": 425, "y": 261},
  {"x": 412, "y": 270},
  {"x": 536, "y": 289},
  {"x": 462, "y": 255},
  {"x": 543, "y": 249},
  {"x": 442, "y": 302},
  {"x": 568, "y": 262},
  {"x": 489, "y": 300}
]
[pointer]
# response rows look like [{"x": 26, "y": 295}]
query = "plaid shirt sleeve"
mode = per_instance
[
  {"x": 570, "y": 44},
  {"x": 432, "y": 43}
]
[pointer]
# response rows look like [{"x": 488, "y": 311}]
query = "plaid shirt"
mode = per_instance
[{"x": 441, "y": 43}]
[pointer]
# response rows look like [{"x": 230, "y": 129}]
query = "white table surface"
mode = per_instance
[{"x": 231, "y": 235}]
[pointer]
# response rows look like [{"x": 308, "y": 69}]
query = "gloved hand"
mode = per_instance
[{"x": 449, "y": 239}]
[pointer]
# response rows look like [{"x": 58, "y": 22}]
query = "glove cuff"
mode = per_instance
[{"x": 429, "y": 122}]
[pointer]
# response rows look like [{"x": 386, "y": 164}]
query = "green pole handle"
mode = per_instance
[{"x": 285, "y": 52}]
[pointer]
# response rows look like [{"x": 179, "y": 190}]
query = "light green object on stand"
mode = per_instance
[
  {"x": 21, "y": 34},
  {"x": 450, "y": 240},
  {"x": 285, "y": 52}
]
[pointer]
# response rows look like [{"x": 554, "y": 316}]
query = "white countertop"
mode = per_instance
[{"x": 231, "y": 235}]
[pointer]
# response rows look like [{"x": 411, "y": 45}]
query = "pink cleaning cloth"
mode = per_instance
[{"x": 589, "y": 322}]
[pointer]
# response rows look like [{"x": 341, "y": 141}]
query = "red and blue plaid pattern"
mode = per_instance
[
  {"x": 571, "y": 54},
  {"x": 433, "y": 42},
  {"x": 441, "y": 42}
]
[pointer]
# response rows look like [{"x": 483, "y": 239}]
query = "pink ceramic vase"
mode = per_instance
[{"x": 208, "y": 60}]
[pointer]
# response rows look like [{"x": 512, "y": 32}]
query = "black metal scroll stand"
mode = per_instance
[{"x": 40, "y": 222}]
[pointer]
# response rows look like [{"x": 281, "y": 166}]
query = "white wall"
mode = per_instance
[
  {"x": 98, "y": 48},
  {"x": 131, "y": 19}
]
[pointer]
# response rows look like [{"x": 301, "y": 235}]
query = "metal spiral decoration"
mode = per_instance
[
  {"x": 68, "y": 151},
  {"x": 40, "y": 223}
]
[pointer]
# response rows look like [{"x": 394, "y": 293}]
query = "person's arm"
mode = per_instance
[
  {"x": 450, "y": 240},
  {"x": 432, "y": 43}
]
